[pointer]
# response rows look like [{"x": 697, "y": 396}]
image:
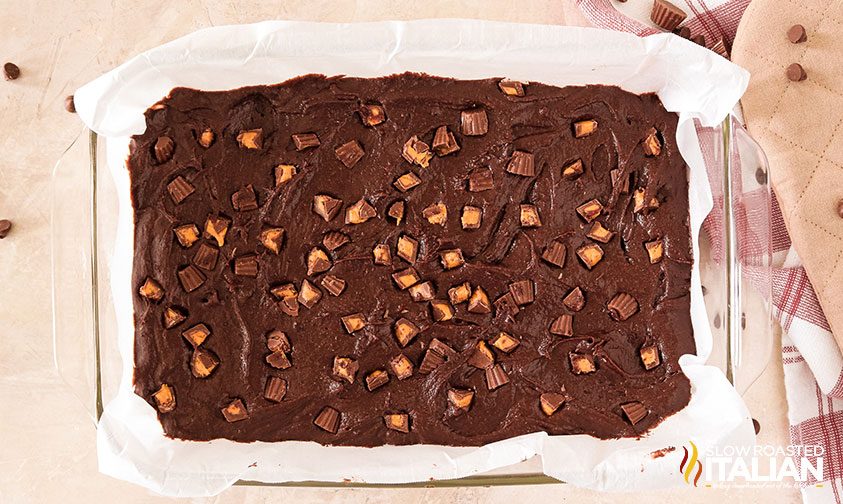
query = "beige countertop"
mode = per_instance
[{"x": 47, "y": 446}]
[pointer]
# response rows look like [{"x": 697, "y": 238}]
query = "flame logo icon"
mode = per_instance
[{"x": 687, "y": 466}]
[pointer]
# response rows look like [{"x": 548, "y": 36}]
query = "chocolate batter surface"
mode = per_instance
[{"x": 238, "y": 196}]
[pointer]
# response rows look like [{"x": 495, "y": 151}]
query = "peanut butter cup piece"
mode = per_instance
[
  {"x": 401, "y": 366},
  {"x": 480, "y": 180},
  {"x": 317, "y": 261},
  {"x": 505, "y": 342},
  {"x": 206, "y": 138},
  {"x": 618, "y": 180},
  {"x": 334, "y": 285},
  {"x": 573, "y": 170},
  {"x": 622, "y": 306},
  {"x": 165, "y": 398},
  {"x": 376, "y": 379},
  {"x": 180, "y": 189},
  {"x": 216, "y": 227},
  {"x": 521, "y": 163},
  {"x": 187, "y": 234},
  {"x": 555, "y": 253},
  {"x": 371, "y": 114},
  {"x": 599, "y": 233},
  {"x": 574, "y": 300},
  {"x": 472, "y": 217},
  {"x": 328, "y": 420},
  {"x": 666, "y": 15},
  {"x": 652, "y": 144},
  {"x": 451, "y": 259},
  {"x": 479, "y": 302},
  {"x": 151, "y": 290},
  {"x": 196, "y": 335},
  {"x": 655, "y": 250},
  {"x": 406, "y": 278},
  {"x": 173, "y": 316},
  {"x": 277, "y": 341},
  {"x": 584, "y": 128},
  {"x": 332, "y": 240},
  {"x": 523, "y": 291},
  {"x": 407, "y": 181},
  {"x": 590, "y": 254},
  {"x": 590, "y": 210},
  {"x": 408, "y": 248},
  {"x": 246, "y": 266},
  {"x": 638, "y": 198},
  {"x": 422, "y": 292},
  {"x": 284, "y": 173},
  {"x": 396, "y": 212},
  {"x": 163, "y": 149},
  {"x": 441, "y": 311},
  {"x": 511, "y": 87},
  {"x": 582, "y": 363},
  {"x": 563, "y": 325},
  {"x": 398, "y": 422},
  {"x": 235, "y": 411},
  {"x": 275, "y": 389},
  {"x": 345, "y": 368},
  {"x": 530, "y": 216},
  {"x": 474, "y": 122},
  {"x": 405, "y": 331},
  {"x": 250, "y": 139},
  {"x": 284, "y": 291},
  {"x": 289, "y": 306},
  {"x": 437, "y": 354},
  {"x": 359, "y": 212},
  {"x": 245, "y": 199},
  {"x": 444, "y": 142},
  {"x": 649, "y": 353},
  {"x": 272, "y": 239},
  {"x": 496, "y": 377},
  {"x": 505, "y": 306},
  {"x": 305, "y": 141},
  {"x": 309, "y": 294},
  {"x": 634, "y": 411},
  {"x": 206, "y": 256},
  {"x": 417, "y": 152},
  {"x": 326, "y": 206},
  {"x": 279, "y": 360},
  {"x": 190, "y": 278},
  {"x": 460, "y": 399},
  {"x": 353, "y": 322},
  {"x": 203, "y": 362},
  {"x": 482, "y": 356},
  {"x": 459, "y": 293},
  {"x": 382, "y": 254},
  {"x": 551, "y": 402},
  {"x": 436, "y": 214},
  {"x": 350, "y": 153}
]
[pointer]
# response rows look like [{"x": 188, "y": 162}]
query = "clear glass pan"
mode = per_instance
[{"x": 737, "y": 283}]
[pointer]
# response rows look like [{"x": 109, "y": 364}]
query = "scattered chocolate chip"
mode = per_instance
[
  {"x": 5, "y": 227},
  {"x": 165, "y": 398},
  {"x": 652, "y": 144},
  {"x": 69, "y": 104},
  {"x": 482, "y": 356},
  {"x": 417, "y": 152},
  {"x": 401, "y": 366},
  {"x": 272, "y": 239},
  {"x": 551, "y": 402},
  {"x": 496, "y": 377},
  {"x": 206, "y": 256},
  {"x": 574, "y": 300},
  {"x": 405, "y": 331},
  {"x": 655, "y": 250},
  {"x": 573, "y": 170},
  {"x": 407, "y": 181},
  {"x": 371, "y": 114},
  {"x": 529, "y": 216},
  {"x": 406, "y": 278},
  {"x": 359, "y": 212},
  {"x": 743, "y": 320},
  {"x": 277, "y": 341},
  {"x": 345, "y": 368},
  {"x": 251, "y": 139},
  {"x": 796, "y": 34},
  {"x": 599, "y": 233},
  {"x": 622, "y": 306},
  {"x": 563, "y": 325},
  {"x": 634, "y": 411},
  {"x": 186, "y": 234},
  {"x": 317, "y": 261},
  {"x": 521, "y": 163},
  {"x": 172, "y": 317},
  {"x": 511, "y": 87},
  {"x": 190, "y": 278},
  {"x": 717, "y": 321},
  {"x": 474, "y": 122},
  {"x": 649, "y": 356},
  {"x": 460, "y": 399},
  {"x": 245, "y": 199},
  {"x": 202, "y": 363},
  {"x": 216, "y": 227},
  {"x": 667, "y": 15},
  {"x": 590, "y": 254},
  {"x": 333, "y": 285},
  {"x": 275, "y": 389},
  {"x": 398, "y": 422},
  {"x": 235, "y": 411},
  {"x": 309, "y": 294},
  {"x": 444, "y": 142},
  {"x": 376, "y": 379},
  {"x": 396, "y": 212},
  {"x": 796, "y": 73},
  {"x": 590, "y": 210},
  {"x": 246, "y": 266},
  {"x": 196, "y": 335},
  {"x": 698, "y": 39},
  {"x": 206, "y": 138},
  {"x": 840, "y": 208},
  {"x": 555, "y": 253},
  {"x": 436, "y": 214},
  {"x": 479, "y": 302},
  {"x": 305, "y": 141},
  {"x": 760, "y": 176},
  {"x": 582, "y": 363},
  {"x": 756, "y": 425},
  {"x": 278, "y": 360},
  {"x": 408, "y": 248},
  {"x": 505, "y": 342},
  {"x": 11, "y": 71},
  {"x": 326, "y": 206},
  {"x": 422, "y": 292},
  {"x": 480, "y": 180},
  {"x": 180, "y": 189},
  {"x": 350, "y": 153},
  {"x": 584, "y": 128},
  {"x": 328, "y": 420}
]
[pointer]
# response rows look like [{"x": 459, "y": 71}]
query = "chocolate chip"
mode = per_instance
[
  {"x": 496, "y": 377},
  {"x": 839, "y": 211},
  {"x": 398, "y": 422},
  {"x": 235, "y": 411},
  {"x": 206, "y": 257},
  {"x": 359, "y": 212},
  {"x": 245, "y": 199},
  {"x": 480, "y": 180},
  {"x": 333, "y": 285},
  {"x": 407, "y": 181},
  {"x": 756, "y": 425},
  {"x": 460, "y": 399},
  {"x": 521, "y": 163},
  {"x": 444, "y": 142},
  {"x": 309, "y": 294},
  {"x": 522, "y": 291},
  {"x": 622, "y": 306},
  {"x": 173, "y": 316},
  {"x": 164, "y": 149},
  {"x": 326, "y": 206},
  {"x": 246, "y": 266},
  {"x": 196, "y": 335},
  {"x": 474, "y": 122},
  {"x": 563, "y": 326},
  {"x": 350, "y": 153},
  {"x": 203, "y": 362},
  {"x": 69, "y": 104},
  {"x": 345, "y": 368},
  {"x": 796, "y": 73},
  {"x": 251, "y": 139},
  {"x": 5, "y": 227},
  {"x": 401, "y": 366},
  {"x": 479, "y": 302},
  {"x": 666, "y": 15},
  {"x": 180, "y": 189},
  {"x": 634, "y": 411},
  {"x": 796, "y": 34},
  {"x": 277, "y": 341},
  {"x": 372, "y": 114},
  {"x": 511, "y": 87},
  {"x": 717, "y": 321},
  {"x": 482, "y": 356},
  {"x": 305, "y": 141},
  {"x": 505, "y": 306},
  {"x": 275, "y": 389},
  {"x": 328, "y": 420},
  {"x": 760, "y": 176},
  {"x": 551, "y": 402},
  {"x": 376, "y": 379},
  {"x": 272, "y": 239},
  {"x": 11, "y": 71},
  {"x": 165, "y": 398},
  {"x": 555, "y": 253},
  {"x": 190, "y": 278},
  {"x": 574, "y": 300}
]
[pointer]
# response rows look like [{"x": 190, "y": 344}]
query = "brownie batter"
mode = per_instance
[{"x": 410, "y": 259}]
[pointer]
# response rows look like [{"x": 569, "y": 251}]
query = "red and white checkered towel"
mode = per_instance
[{"x": 813, "y": 364}]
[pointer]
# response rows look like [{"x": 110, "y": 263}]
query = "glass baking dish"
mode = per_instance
[{"x": 735, "y": 259}]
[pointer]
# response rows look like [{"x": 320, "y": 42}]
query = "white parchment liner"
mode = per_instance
[{"x": 689, "y": 79}]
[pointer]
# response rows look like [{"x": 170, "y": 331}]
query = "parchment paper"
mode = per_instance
[{"x": 690, "y": 80}]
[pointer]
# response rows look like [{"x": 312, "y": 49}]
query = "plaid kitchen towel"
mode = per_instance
[{"x": 813, "y": 365}]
